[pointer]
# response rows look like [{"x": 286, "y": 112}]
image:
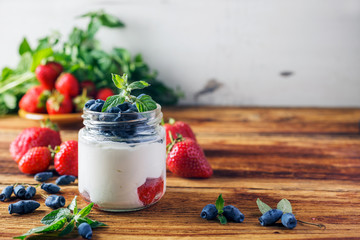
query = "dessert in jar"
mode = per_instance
[{"x": 122, "y": 151}]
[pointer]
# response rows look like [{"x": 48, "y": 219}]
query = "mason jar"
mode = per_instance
[{"x": 122, "y": 159}]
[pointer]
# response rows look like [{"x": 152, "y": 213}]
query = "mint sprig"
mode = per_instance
[
  {"x": 61, "y": 222},
  {"x": 219, "y": 204},
  {"x": 143, "y": 102}
]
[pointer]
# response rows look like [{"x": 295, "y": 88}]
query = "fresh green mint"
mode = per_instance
[
  {"x": 62, "y": 221},
  {"x": 285, "y": 206},
  {"x": 263, "y": 207},
  {"x": 219, "y": 204},
  {"x": 143, "y": 102}
]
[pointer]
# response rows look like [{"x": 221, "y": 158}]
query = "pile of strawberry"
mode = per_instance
[
  {"x": 185, "y": 157},
  {"x": 35, "y": 148},
  {"x": 59, "y": 92}
]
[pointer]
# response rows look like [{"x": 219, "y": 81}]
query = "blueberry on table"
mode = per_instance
[
  {"x": 19, "y": 191},
  {"x": 288, "y": 220},
  {"x": 233, "y": 214},
  {"x": 30, "y": 192},
  {"x": 43, "y": 176},
  {"x": 65, "y": 179},
  {"x": 270, "y": 217},
  {"x": 89, "y": 103},
  {"x": 209, "y": 212},
  {"x": 55, "y": 202},
  {"x": 50, "y": 187},
  {"x": 23, "y": 207},
  {"x": 85, "y": 231},
  {"x": 6, "y": 193}
]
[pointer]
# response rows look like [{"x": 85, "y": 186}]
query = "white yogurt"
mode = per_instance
[{"x": 111, "y": 172}]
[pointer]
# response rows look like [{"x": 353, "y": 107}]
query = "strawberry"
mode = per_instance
[
  {"x": 79, "y": 101},
  {"x": 66, "y": 159},
  {"x": 187, "y": 159},
  {"x": 89, "y": 86},
  {"x": 67, "y": 84},
  {"x": 34, "y": 100},
  {"x": 178, "y": 127},
  {"x": 58, "y": 104},
  {"x": 104, "y": 93},
  {"x": 34, "y": 137},
  {"x": 36, "y": 160},
  {"x": 151, "y": 190},
  {"x": 47, "y": 74}
]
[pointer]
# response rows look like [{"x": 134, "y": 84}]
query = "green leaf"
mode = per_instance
[
  {"x": 110, "y": 21},
  {"x": 69, "y": 227},
  {"x": 10, "y": 100},
  {"x": 92, "y": 223},
  {"x": 24, "y": 47},
  {"x": 138, "y": 85},
  {"x": 222, "y": 219},
  {"x": 55, "y": 216},
  {"x": 25, "y": 63},
  {"x": 6, "y": 72},
  {"x": 119, "y": 81},
  {"x": 43, "y": 229},
  {"x": 113, "y": 101},
  {"x": 284, "y": 205},
  {"x": 73, "y": 206},
  {"x": 145, "y": 103},
  {"x": 263, "y": 207},
  {"x": 84, "y": 212},
  {"x": 93, "y": 27},
  {"x": 40, "y": 55},
  {"x": 220, "y": 204}
]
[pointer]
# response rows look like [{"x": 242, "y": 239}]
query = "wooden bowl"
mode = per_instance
[{"x": 56, "y": 118}]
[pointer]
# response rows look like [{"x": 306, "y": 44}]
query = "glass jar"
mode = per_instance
[{"x": 122, "y": 159}]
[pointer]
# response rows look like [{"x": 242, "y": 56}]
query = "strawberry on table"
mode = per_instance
[
  {"x": 104, "y": 93},
  {"x": 36, "y": 160},
  {"x": 66, "y": 159},
  {"x": 34, "y": 100},
  {"x": 187, "y": 159},
  {"x": 67, "y": 84},
  {"x": 58, "y": 103},
  {"x": 47, "y": 74},
  {"x": 178, "y": 127},
  {"x": 35, "y": 137}
]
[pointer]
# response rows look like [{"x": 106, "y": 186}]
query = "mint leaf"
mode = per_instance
[
  {"x": 73, "y": 206},
  {"x": 55, "y": 216},
  {"x": 69, "y": 227},
  {"x": 113, "y": 101},
  {"x": 47, "y": 228},
  {"x": 145, "y": 103},
  {"x": 222, "y": 219},
  {"x": 40, "y": 55},
  {"x": 220, "y": 204},
  {"x": 10, "y": 100},
  {"x": 92, "y": 223},
  {"x": 285, "y": 206},
  {"x": 120, "y": 82},
  {"x": 84, "y": 212},
  {"x": 24, "y": 47},
  {"x": 138, "y": 85},
  {"x": 263, "y": 207}
]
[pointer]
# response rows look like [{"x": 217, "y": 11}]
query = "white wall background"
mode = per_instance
[{"x": 243, "y": 44}]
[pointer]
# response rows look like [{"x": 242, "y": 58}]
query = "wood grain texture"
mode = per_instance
[{"x": 309, "y": 156}]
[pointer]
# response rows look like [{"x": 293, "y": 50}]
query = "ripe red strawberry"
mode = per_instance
[
  {"x": 47, "y": 74},
  {"x": 34, "y": 100},
  {"x": 178, "y": 127},
  {"x": 90, "y": 87},
  {"x": 104, "y": 93},
  {"x": 34, "y": 137},
  {"x": 67, "y": 84},
  {"x": 151, "y": 190},
  {"x": 58, "y": 103},
  {"x": 66, "y": 159},
  {"x": 186, "y": 159},
  {"x": 36, "y": 160}
]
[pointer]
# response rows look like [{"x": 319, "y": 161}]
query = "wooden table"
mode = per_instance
[{"x": 309, "y": 156}]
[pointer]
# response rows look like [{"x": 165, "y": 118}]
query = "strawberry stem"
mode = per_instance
[
  {"x": 179, "y": 138},
  {"x": 49, "y": 124},
  {"x": 171, "y": 121}
]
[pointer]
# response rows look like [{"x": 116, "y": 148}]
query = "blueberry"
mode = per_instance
[
  {"x": 288, "y": 220},
  {"x": 113, "y": 110},
  {"x": 65, "y": 180},
  {"x": 19, "y": 191},
  {"x": 270, "y": 217},
  {"x": 89, "y": 103},
  {"x": 134, "y": 108},
  {"x": 50, "y": 187},
  {"x": 30, "y": 192},
  {"x": 85, "y": 231},
  {"x": 43, "y": 176},
  {"x": 96, "y": 107},
  {"x": 23, "y": 207},
  {"x": 233, "y": 214},
  {"x": 124, "y": 106},
  {"x": 54, "y": 201},
  {"x": 209, "y": 212},
  {"x": 99, "y": 101},
  {"x": 6, "y": 193}
]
